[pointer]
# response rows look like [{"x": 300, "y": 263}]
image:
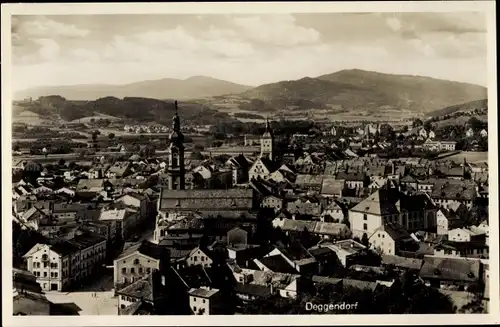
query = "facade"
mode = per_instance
[
  {"x": 412, "y": 212},
  {"x": 138, "y": 261},
  {"x": 205, "y": 301},
  {"x": 58, "y": 266}
]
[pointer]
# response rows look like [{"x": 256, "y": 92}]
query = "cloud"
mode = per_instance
[
  {"x": 276, "y": 30},
  {"x": 49, "y": 49},
  {"x": 41, "y": 27}
]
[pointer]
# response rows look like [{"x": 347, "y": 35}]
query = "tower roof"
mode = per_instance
[{"x": 269, "y": 131}]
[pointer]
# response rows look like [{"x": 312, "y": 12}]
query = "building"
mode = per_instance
[
  {"x": 123, "y": 221},
  {"x": 59, "y": 265},
  {"x": 412, "y": 212},
  {"x": 391, "y": 239},
  {"x": 138, "y": 261},
  {"x": 176, "y": 170},
  {"x": 251, "y": 140},
  {"x": 432, "y": 145},
  {"x": 448, "y": 193},
  {"x": 206, "y": 301},
  {"x": 451, "y": 273},
  {"x": 267, "y": 143},
  {"x": 199, "y": 257},
  {"x": 226, "y": 203}
]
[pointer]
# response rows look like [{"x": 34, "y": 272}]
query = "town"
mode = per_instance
[{"x": 203, "y": 220}]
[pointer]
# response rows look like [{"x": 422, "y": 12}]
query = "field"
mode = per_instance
[
  {"x": 472, "y": 157},
  {"x": 30, "y": 118},
  {"x": 96, "y": 117},
  {"x": 462, "y": 120}
]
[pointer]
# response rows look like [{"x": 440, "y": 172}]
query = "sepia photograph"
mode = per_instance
[{"x": 249, "y": 162}]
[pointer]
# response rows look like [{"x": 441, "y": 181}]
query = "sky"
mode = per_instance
[{"x": 245, "y": 49}]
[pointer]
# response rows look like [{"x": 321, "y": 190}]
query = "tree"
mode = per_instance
[
  {"x": 111, "y": 136},
  {"x": 428, "y": 126},
  {"x": 61, "y": 162},
  {"x": 475, "y": 123},
  {"x": 417, "y": 122},
  {"x": 196, "y": 155}
]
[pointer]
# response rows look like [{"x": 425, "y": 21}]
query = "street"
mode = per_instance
[{"x": 95, "y": 298}]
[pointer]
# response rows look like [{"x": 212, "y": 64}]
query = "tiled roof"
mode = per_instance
[
  {"x": 206, "y": 200},
  {"x": 203, "y": 292},
  {"x": 395, "y": 231},
  {"x": 360, "y": 284},
  {"x": 277, "y": 263},
  {"x": 459, "y": 269},
  {"x": 454, "y": 190},
  {"x": 331, "y": 185},
  {"x": 147, "y": 248},
  {"x": 253, "y": 289},
  {"x": 408, "y": 263},
  {"x": 305, "y": 179}
]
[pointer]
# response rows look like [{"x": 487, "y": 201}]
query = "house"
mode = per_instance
[
  {"x": 412, "y": 212},
  {"x": 28, "y": 297},
  {"x": 64, "y": 190},
  {"x": 452, "y": 192},
  {"x": 332, "y": 212},
  {"x": 119, "y": 169},
  {"x": 391, "y": 239},
  {"x": 148, "y": 295},
  {"x": 286, "y": 285},
  {"x": 454, "y": 249},
  {"x": 138, "y": 261},
  {"x": 124, "y": 221},
  {"x": 447, "y": 220},
  {"x": 240, "y": 167},
  {"x": 137, "y": 201},
  {"x": 206, "y": 301},
  {"x": 353, "y": 180},
  {"x": 199, "y": 256},
  {"x": 484, "y": 133},
  {"x": 242, "y": 254},
  {"x": 332, "y": 187},
  {"x": 348, "y": 252},
  {"x": 274, "y": 202},
  {"x": 262, "y": 168},
  {"x": 451, "y": 273},
  {"x": 58, "y": 265},
  {"x": 466, "y": 234},
  {"x": 469, "y": 132}
]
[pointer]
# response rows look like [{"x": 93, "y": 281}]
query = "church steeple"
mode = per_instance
[
  {"x": 267, "y": 142},
  {"x": 176, "y": 169}
]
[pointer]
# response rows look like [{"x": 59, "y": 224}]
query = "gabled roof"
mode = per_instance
[
  {"x": 395, "y": 231},
  {"x": 457, "y": 269},
  {"x": 148, "y": 249}
]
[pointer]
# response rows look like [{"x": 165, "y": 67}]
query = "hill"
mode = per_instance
[
  {"x": 479, "y": 106},
  {"x": 137, "y": 109},
  {"x": 167, "y": 88},
  {"x": 358, "y": 90}
]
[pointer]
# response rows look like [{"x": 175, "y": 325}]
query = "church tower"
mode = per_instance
[
  {"x": 176, "y": 170},
  {"x": 267, "y": 143}
]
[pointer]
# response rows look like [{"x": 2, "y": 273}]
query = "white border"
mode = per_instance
[{"x": 245, "y": 8}]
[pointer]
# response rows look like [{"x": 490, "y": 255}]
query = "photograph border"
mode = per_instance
[{"x": 488, "y": 7}]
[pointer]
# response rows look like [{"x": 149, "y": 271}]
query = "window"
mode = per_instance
[
  {"x": 132, "y": 270},
  {"x": 202, "y": 258},
  {"x": 148, "y": 270},
  {"x": 194, "y": 308},
  {"x": 136, "y": 261},
  {"x": 44, "y": 274},
  {"x": 124, "y": 270},
  {"x": 195, "y": 258},
  {"x": 365, "y": 217},
  {"x": 203, "y": 300},
  {"x": 45, "y": 265},
  {"x": 365, "y": 226},
  {"x": 140, "y": 270},
  {"x": 122, "y": 306},
  {"x": 194, "y": 299}
]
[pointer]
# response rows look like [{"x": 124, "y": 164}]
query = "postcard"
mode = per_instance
[{"x": 227, "y": 163}]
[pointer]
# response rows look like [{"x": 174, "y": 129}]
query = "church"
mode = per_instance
[
  {"x": 267, "y": 163},
  {"x": 177, "y": 202}
]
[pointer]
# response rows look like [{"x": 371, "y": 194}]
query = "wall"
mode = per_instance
[{"x": 128, "y": 263}]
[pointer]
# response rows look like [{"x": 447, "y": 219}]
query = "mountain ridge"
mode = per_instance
[{"x": 163, "y": 88}]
